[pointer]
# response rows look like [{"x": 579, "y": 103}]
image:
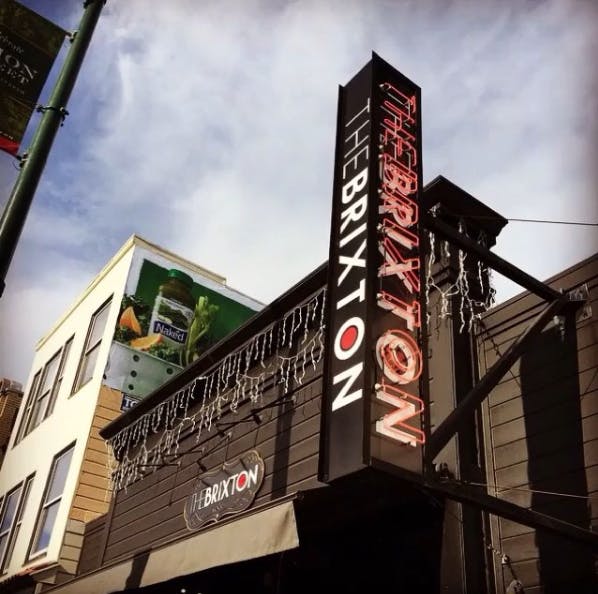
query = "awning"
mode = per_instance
[
  {"x": 262, "y": 533},
  {"x": 27, "y": 578}
]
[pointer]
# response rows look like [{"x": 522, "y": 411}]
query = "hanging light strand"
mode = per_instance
[
  {"x": 471, "y": 284},
  {"x": 281, "y": 352}
]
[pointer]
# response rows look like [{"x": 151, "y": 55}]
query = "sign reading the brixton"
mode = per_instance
[
  {"x": 226, "y": 491},
  {"x": 375, "y": 377}
]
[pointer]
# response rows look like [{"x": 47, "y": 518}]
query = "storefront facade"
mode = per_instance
[
  {"x": 325, "y": 442},
  {"x": 296, "y": 530}
]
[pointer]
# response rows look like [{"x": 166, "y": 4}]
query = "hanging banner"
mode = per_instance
[
  {"x": 375, "y": 379},
  {"x": 29, "y": 44}
]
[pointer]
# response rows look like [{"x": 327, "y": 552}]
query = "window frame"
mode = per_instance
[
  {"x": 24, "y": 421},
  {"x": 38, "y": 401},
  {"x": 6, "y": 556},
  {"x": 18, "y": 489},
  {"x": 34, "y": 411},
  {"x": 45, "y": 505},
  {"x": 88, "y": 349},
  {"x": 58, "y": 378}
]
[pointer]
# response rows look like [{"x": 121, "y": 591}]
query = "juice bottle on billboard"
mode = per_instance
[{"x": 173, "y": 309}]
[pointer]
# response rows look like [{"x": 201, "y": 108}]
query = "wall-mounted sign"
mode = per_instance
[
  {"x": 128, "y": 402},
  {"x": 226, "y": 491},
  {"x": 374, "y": 368},
  {"x": 29, "y": 44},
  {"x": 398, "y": 407}
]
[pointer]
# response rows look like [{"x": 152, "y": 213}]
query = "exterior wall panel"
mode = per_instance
[
  {"x": 151, "y": 510},
  {"x": 541, "y": 425},
  {"x": 92, "y": 545}
]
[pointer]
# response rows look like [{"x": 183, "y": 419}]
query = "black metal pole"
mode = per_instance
[
  {"x": 15, "y": 214},
  {"x": 495, "y": 262},
  {"x": 463, "y": 411}
]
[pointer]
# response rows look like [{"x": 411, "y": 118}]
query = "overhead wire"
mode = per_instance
[
  {"x": 527, "y": 490},
  {"x": 521, "y": 220},
  {"x": 547, "y": 222}
]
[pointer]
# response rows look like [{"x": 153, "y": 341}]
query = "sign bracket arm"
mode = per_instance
[
  {"x": 500, "y": 507},
  {"x": 491, "y": 259},
  {"x": 462, "y": 412}
]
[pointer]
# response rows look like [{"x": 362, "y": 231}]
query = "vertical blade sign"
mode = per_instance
[
  {"x": 373, "y": 403},
  {"x": 401, "y": 381}
]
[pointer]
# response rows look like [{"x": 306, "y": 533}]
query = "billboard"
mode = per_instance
[
  {"x": 375, "y": 376},
  {"x": 28, "y": 46},
  {"x": 169, "y": 316}
]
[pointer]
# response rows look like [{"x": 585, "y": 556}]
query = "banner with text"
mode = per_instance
[{"x": 29, "y": 44}]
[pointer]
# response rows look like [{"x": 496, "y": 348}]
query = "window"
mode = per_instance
[
  {"x": 51, "y": 502},
  {"x": 9, "y": 511},
  {"x": 92, "y": 346},
  {"x": 27, "y": 409},
  {"x": 59, "y": 376},
  {"x": 7, "y": 545},
  {"x": 43, "y": 392}
]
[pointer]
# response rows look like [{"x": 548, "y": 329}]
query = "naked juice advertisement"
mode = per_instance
[{"x": 168, "y": 317}]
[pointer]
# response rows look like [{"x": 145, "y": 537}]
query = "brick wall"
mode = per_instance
[{"x": 11, "y": 394}]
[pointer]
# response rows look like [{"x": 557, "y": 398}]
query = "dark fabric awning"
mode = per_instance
[{"x": 269, "y": 531}]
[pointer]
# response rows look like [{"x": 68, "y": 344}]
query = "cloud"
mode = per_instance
[{"x": 209, "y": 128}]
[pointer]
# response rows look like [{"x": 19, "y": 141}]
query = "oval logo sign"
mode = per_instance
[{"x": 229, "y": 490}]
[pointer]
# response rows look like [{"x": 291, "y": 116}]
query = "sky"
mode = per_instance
[{"x": 208, "y": 128}]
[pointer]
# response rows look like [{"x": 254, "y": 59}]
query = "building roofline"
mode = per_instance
[
  {"x": 132, "y": 242},
  {"x": 435, "y": 191}
]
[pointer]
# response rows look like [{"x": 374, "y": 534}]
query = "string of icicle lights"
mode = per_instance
[
  {"x": 281, "y": 351},
  {"x": 241, "y": 375},
  {"x": 475, "y": 280}
]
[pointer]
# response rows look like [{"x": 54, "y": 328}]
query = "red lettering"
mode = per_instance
[
  {"x": 397, "y": 352},
  {"x": 406, "y": 407},
  {"x": 403, "y": 209},
  {"x": 399, "y": 357},
  {"x": 396, "y": 177},
  {"x": 410, "y": 312},
  {"x": 407, "y": 269}
]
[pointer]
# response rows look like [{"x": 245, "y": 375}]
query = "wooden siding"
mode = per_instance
[
  {"x": 150, "y": 511},
  {"x": 92, "y": 495},
  {"x": 91, "y": 552},
  {"x": 541, "y": 425}
]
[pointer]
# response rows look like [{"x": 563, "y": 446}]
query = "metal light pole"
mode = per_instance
[{"x": 15, "y": 213}]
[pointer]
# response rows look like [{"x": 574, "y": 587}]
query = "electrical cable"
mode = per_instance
[
  {"x": 497, "y": 350},
  {"x": 519, "y": 220},
  {"x": 499, "y": 488},
  {"x": 546, "y": 222}
]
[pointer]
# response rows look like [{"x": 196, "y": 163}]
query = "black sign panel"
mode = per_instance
[
  {"x": 374, "y": 364},
  {"x": 226, "y": 491},
  {"x": 350, "y": 294}
]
